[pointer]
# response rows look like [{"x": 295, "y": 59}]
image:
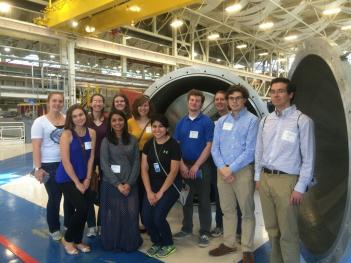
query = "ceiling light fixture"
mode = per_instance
[
  {"x": 263, "y": 54},
  {"x": 233, "y": 8},
  {"x": 74, "y": 23},
  {"x": 241, "y": 46},
  {"x": 52, "y": 56},
  {"x": 128, "y": 37},
  {"x": 218, "y": 60},
  {"x": 134, "y": 8},
  {"x": 213, "y": 36},
  {"x": 331, "y": 11},
  {"x": 177, "y": 23},
  {"x": 7, "y": 49},
  {"x": 5, "y": 7},
  {"x": 290, "y": 38},
  {"x": 90, "y": 29},
  {"x": 266, "y": 25},
  {"x": 348, "y": 27}
]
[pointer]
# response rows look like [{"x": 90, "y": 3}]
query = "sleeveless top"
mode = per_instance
[{"x": 78, "y": 160}]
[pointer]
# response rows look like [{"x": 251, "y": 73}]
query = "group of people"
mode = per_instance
[{"x": 141, "y": 168}]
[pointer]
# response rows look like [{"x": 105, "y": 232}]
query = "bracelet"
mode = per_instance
[{"x": 37, "y": 168}]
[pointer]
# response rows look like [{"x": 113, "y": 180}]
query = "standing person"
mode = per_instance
[
  {"x": 233, "y": 151},
  {"x": 140, "y": 127},
  {"x": 159, "y": 171},
  {"x": 284, "y": 159},
  {"x": 194, "y": 132},
  {"x": 73, "y": 175},
  {"x": 97, "y": 122},
  {"x": 221, "y": 106},
  {"x": 120, "y": 164},
  {"x": 46, "y": 132},
  {"x": 121, "y": 102}
]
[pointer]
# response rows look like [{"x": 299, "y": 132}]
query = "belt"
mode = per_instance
[{"x": 269, "y": 171}]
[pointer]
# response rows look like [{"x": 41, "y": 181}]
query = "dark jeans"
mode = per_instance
[
  {"x": 54, "y": 200},
  {"x": 77, "y": 221},
  {"x": 92, "y": 198},
  {"x": 214, "y": 194},
  {"x": 155, "y": 216},
  {"x": 202, "y": 187}
]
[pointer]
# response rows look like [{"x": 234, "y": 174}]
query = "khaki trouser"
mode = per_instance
[
  {"x": 241, "y": 190},
  {"x": 280, "y": 217}
]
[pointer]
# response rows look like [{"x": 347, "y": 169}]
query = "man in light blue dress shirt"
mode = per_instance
[
  {"x": 284, "y": 164},
  {"x": 233, "y": 152}
]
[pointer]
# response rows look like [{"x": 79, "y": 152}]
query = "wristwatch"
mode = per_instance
[{"x": 37, "y": 169}]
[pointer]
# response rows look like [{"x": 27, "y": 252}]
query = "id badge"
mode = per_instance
[
  {"x": 157, "y": 167},
  {"x": 289, "y": 136},
  {"x": 148, "y": 129},
  {"x": 193, "y": 134},
  {"x": 87, "y": 145},
  {"x": 227, "y": 126},
  {"x": 116, "y": 168}
]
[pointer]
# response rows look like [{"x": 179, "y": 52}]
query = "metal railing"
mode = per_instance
[{"x": 13, "y": 132}]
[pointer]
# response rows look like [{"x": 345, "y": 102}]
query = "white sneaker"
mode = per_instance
[
  {"x": 56, "y": 235},
  {"x": 91, "y": 232}
]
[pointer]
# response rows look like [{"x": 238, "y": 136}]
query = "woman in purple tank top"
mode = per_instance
[{"x": 73, "y": 175}]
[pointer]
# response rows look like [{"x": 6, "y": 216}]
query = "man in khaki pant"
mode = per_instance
[
  {"x": 233, "y": 152},
  {"x": 284, "y": 162}
]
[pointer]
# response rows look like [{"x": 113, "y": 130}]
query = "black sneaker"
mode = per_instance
[
  {"x": 180, "y": 235},
  {"x": 204, "y": 241},
  {"x": 217, "y": 232}
]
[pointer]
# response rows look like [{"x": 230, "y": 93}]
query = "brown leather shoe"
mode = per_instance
[
  {"x": 248, "y": 257},
  {"x": 221, "y": 250}
]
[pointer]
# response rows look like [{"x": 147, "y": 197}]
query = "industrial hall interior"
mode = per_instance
[{"x": 175, "y": 131}]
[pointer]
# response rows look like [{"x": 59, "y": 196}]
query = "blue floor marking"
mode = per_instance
[
  {"x": 24, "y": 224},
  {"x": 15, "y": 167}
]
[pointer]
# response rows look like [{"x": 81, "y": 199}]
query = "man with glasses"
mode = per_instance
[
  {"x": 233, "y": 152},
  {"x": 284, "y": 163}
]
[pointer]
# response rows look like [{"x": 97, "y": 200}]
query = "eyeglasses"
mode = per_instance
[
  {"x": 235, "y": 98},
  {"x": 278, "y": 91}
]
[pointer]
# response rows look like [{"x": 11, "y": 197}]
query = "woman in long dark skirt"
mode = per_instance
[{"x": 120, "y": 163}]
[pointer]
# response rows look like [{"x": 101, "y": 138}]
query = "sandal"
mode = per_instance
[
  {"x": 69, "y": 247},
  {"x": 83, "y": 248}
]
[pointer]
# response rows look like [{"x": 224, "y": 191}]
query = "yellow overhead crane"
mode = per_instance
[{"x": 103, "y": 15}]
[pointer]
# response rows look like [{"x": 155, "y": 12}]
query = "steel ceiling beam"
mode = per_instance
[
  {"x": 63, "y": 11},
  {"x": 122, "y": 15}
]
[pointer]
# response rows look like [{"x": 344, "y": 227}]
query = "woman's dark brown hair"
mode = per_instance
[
  {"x": 111, "y": 136},
  {"x": 126, "y": 111},
  {"x": 140, "y": 101},
  {"x": 69, "y": 125}
]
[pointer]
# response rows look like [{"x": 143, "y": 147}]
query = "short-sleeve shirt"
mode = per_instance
[
  {"x": 166, "y": 152},
  {"x": 43, "y": 129},
  {"x": 193, "y": 135}
]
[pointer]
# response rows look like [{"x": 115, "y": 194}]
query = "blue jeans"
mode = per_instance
[
  {"x": 54, "y": 200},
  {"x": 155, "y": 216}
]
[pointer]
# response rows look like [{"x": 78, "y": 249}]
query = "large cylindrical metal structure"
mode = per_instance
[
  {"x": 323, "y": 83},
  {"x": 169, "y": 92}
]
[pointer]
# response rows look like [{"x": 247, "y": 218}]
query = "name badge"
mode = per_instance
[
  {"x": 227, "y": 126},
  {"x": 193, "y": 134},
  {"x": 157, "y": 167},
  {"x": 87, "y": 145},
  {"x": 289, "y": 136},
  {"x": 116, "y": 168},
  {"x": 148, "y": 129}
]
